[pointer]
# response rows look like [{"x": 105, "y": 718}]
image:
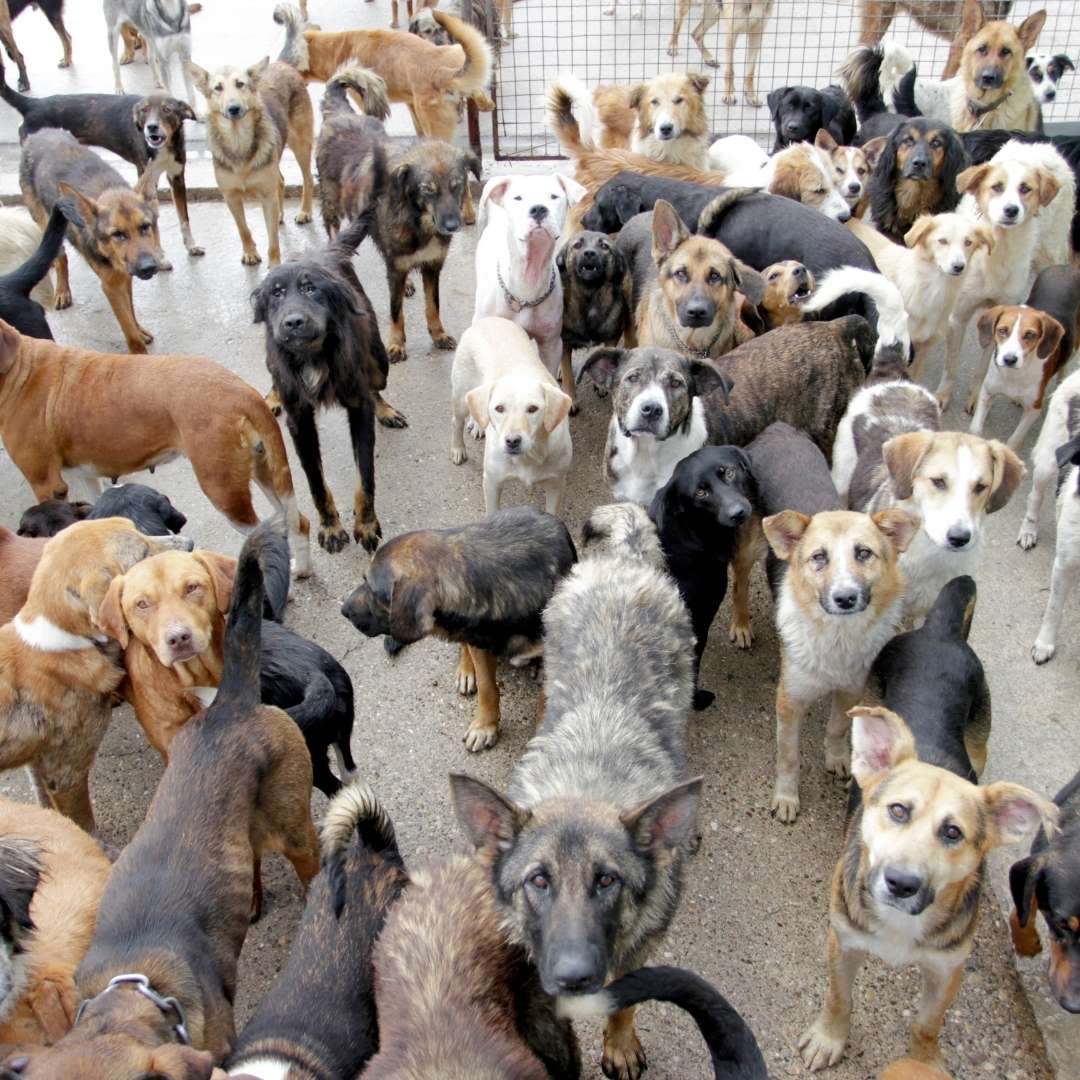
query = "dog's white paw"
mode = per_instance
[
  {"x": 1042, "y": 651},
  {"x": 474, "y": 429},
  {"x": 458, "y": 455},
  {"x": 480, "y": 737},
  {"x": 784, "y": 806},
  {"x": 729, "y": 99},
  {"x": 466, "y": 682},
  {"x": 819, "y": 1049},
  {"x": 1029, "y": 535},
  {"x": 753, "y": 101}
]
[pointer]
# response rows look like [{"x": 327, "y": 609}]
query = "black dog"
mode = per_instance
[
  {"x": 152, "y": 512},
  {"x": 800, "y": 112},
  {"x": 53, "y": 10},
  {"x": 17, "y": 306},
  {"x": 697, "y": 514},
  {"x": 323, "y": 348}
]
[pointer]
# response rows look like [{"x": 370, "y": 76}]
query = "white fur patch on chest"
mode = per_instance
[
  {"x": 929, "y": 567},
  {"x": 40, "y": 633},
  {"x": 639, "y": 466},
  {"x": 262, "y": 1068}
]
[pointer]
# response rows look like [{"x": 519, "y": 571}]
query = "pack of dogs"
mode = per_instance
[{"x": 760, "y": 323}]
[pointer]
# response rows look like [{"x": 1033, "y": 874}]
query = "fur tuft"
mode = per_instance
[
  {"x": 560, "y": 118},
  {"x": 896, "y": 62},
  {"x": 476, "y": 74},
  {"x": 861, "y": 74},
  {"x": 623, "y": 529},
  {"x": 581, "y": 105},
  {"x": 369, "y": 87},
  {"x": 295, "y": 49},
  {"x": 354, "y": 811}
]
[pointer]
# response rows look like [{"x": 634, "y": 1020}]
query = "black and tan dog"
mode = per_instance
[
  {"x": 420, "y": 203},
  {"x": 907, "y": 887},
  {"x": 322, "y": 349},
  {"x": 117, "y": 234},
  {"x": 483, "y": 585}
]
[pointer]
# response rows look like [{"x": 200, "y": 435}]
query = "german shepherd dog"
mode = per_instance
[
  {"x": 117, "y": 234},
  {"x": 322, "y": 349},
  {"x": 251, "y": 116},
  {"x": 421, "y": 202},
  {"x": 908, "y": 884},
  {"x": 586, "y": 849}
]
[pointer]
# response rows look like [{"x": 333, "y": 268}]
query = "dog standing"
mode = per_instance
[{"x": 165, "y": 26}]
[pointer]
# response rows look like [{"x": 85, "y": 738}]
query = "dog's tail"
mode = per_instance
[
  {"x": 23, "y": 279},
  {"x": 904, "y": 95},
  {"x": 16, "y": 100},
  {"x": 295, "y": 50},
  {"x": 354, "y": 811},
  {"x": 861, "y": 74},
  {"x": 895, "y": 63},
  {"x": 734, "y": 1050},
  {"x": 318, "y": 701},
  {"x": 369, "y": 87},
  {"x": 564, "y": 116},
  {"x": 954, "y": 608},
  {"x": 481, "y": 15},
  {"x": 476, "y": 74},
  {"x": 711, "y": 217}
]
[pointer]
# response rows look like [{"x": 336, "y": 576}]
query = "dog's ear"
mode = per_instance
[
  {"x": 982, "y": 236},
  {"x": 85, "y": 209},
  {"x": 181, "y": 1063},
  {"x": 174, "y": 520},
  {"x": 636, "y": 94},
  {"x": 1052, "y": 333},
  {"x": 968, "y": 180},
  {"x": 1028, "y": 61},
  {"x": 668, "y": 231},
  {"x": 494, "y": 192},
  {"x": 625, "y": 204},
  {"x": 138, "y": 113},
  {"x": 1017, "y": 813},
  {"x": 399, "y": 178},
  {"x": 972, "y": 20},
  {"x": 575, "y": 192},
  {"x": 880, "y": 740},
  {"x": 986, "y": 323},
  {"x": 1030, "y": 29},
  {"x": 955, "y": 159},
  {"x": 110, "y": 616},
  {"x": 924, "y": 224},
  {"x": 874, "y": 148},
  {"x": 898, "y": 525},
  {"x": 1049, "y": 186},
  {"x": 784, "y": 531},
  {"x": 705, "y": 378},
  {"x": 1068, "y": 453},
  {"x": 556, "y": 407},
  {"x": 666, "y": 822},
  {"x": 602, "y": 365},
  {"x": 10, "y": 339},
  {"x": 474, "y": 164},
  {"x": 258, "y": 70},
  {"x": 222, "y": 571},
  {"x": 831, "y": 111},
  {"x": 490, "y": 821},
  {"x": 1063, "y": 62},
  {"x": 699, "y": 81},
  {"x": 1009, "y": 470},
  {"x": 902, "y": 455},
  {"x": 785, "y": 181},
  {"x": 185, "y": 110},
  {"x": 200, "y": 76},
  {"x": 411, "y": 612},
  {"x": 775, "y": 99},
  {"x": 560, "y": 259},
  {"x": 824, "y": 141},
  {"x": 477, "y": 400},
  {"x": 260, "y": 302},
  {"x": 748, "y": 281},
  {"x": 1025, "y": 878}
]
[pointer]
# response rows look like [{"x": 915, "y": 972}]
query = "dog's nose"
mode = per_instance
[
  {"x": 153, "y": 129},
  {"x": 179, "y": 637},
  {"x": 1011, "y": 211},
  {"x": 1049, "y": 95},
  {"x": 738, "y": 515},
  {"x": 146, "y": 266},
  {"x": 233, "y": 111},
  {"x": 792, "y": 127},
  {"x": 667, "y": 130},
  {"x": 902, "y": 884},
  {"x": 450, "y": 224},
  {"x": 844, "y": 214},
  {"x": 538, "y": 212},
  {"x": 293, "y": 322},
  {"x": 697, "y": 313},
  {"x": 1010, "y": 360},
  {"x": 574, "y": 974},
  {"x": 854, "y": 187},
  {"x": 846, "y": 599},
  {"x": 651, "y": 410},
  {"x": 959, "y": 536},
  {"x": 512, "y": 443},
  {"x": 958, "y": 267},
  {"x": 990, "y": 78}
]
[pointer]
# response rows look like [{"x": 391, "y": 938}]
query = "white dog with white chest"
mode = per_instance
[
  {"x": 516, "y": 277},
  {"x": 499, "y": 379}
]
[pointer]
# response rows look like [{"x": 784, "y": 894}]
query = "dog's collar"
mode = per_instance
[
  {"x": 979, "y": 110},
  {"x": 519, "y": 305},
  {"x": 169, "y": 1006},
  {"x": 689, "y": 350}
]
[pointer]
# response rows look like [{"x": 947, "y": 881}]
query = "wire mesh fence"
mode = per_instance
[{"x": 802, "y": 42}]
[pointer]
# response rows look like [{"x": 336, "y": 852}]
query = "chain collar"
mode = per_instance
[
  {"x": 520, "y": 305},
  {"x": 689, "y": 350},
  {"x": 169, "y": 1006}
]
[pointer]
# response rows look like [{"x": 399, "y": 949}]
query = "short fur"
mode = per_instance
[
  {"x": 1046, "y": 70},
  {"x": 787, "y": 285},
  {"x": 799, "y": 112},
  {"x": 19, "y": 557},
  {"x": 151, "y": 512},
  {"x": 165, "y": 29},
  {"x": 622, "y": 528},
  {"x": 53, "y": 10}
]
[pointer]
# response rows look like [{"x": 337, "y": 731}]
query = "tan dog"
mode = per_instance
[
  {"x": 19, "y": 556},
  {"x": 73, "y": 871},
  {"x": 907, "y": 887},
  {"x": 58, "y": 669},
  {"x": 787, "y": 285},
  {"x": 110, "y": 415},
  {"x": 840, "y": 601},
  {"x": 251, "y": 116},
  {"x": 500, "y": 381}
]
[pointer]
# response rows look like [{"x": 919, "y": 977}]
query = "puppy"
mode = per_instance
[
  {"x": 799, "y": 112},
  {"x": 787, "y": 285},
  {"x": 1029, "y": 344},
  {"x": 19, "y": 288},
  {"x": 698, "y": 514},
  {"x": 907, "y": 886},
  {"x": 483, "y": 585},
  {"x": 499, "y": 380},
  {"x": 516, "y": 275},
  {"x": 52, "y": 876},
  {"x": 151, "y": 512},
  {"x": 1046, "y": 70},
  {"x": 852, "y": 167}
]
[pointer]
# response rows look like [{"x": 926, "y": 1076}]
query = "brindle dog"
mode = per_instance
[
  {"x": 420, "y": 205},
  {"x": 118, "y": 233}
]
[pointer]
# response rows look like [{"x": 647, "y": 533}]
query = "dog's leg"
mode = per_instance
[
  {"x": 790, "y": 713},
  {"x": 271, "y": 208},
  {"x": 439, "y": 337},
  {"x": 396, "y": 349},
  {"x": 387, "y": 415},
  {"x": 709, "y": 16},
  {"x": 483, "y": 731},
  {"x": 179, "y": 194},
  {"x": 874, "y": 19},
  {"x": 566, "y": 377},
  {"x": 63, "y": 282},
  {"x": 1066, "y": 571},
  {"x": 555, "y": 493},
  {"x": 1045, "y": 476},
  {"x": 275, "y": 482},
  {"x": 680, "y": 16},
  {"x": 117, "y": 289},
  {"x": 623, "y": 1056},
  {"x": 458, "y": 415},
  {"x": 468, "y": 207},
  {"x": 1016, "y": 439},
  {"x": 299, "y": 142},
  {"x": 492, "y": 486},
  {"x": 256, "y": 890},
  {"x": 132, "y": 43},
  {"x": 939, "y": 990},
  {"x": 728, "y": 97},
  {"x": 305, "y": 436},
  {"x": 395, "y": 22},
  {"x": 749, "y": 548},
  {"x": 978, "y": 388},
  {"x": 8, "y": 37},
  {"x": 837, "y": 754},
  {"x": 465, "y": 676},
  {"x": 823, "y": 1043},
  {"x": 235, "y": 202},
  {"x": 56, "y": 20},
  {"x": 114, "y": 34},
  {"x": 506, "y": 17},
  {"x": 753, "y": 51},
  {"x": 366, "y": 528},
  {"x": 953, "y": 342}
]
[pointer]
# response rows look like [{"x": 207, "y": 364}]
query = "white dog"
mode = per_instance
[
  {"x": 516, "y": 276},
  {"x": 165, "y": 26},
  {"x": 499, "y": 379}
]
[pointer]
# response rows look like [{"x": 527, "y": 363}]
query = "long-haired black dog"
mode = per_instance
[
  {"x": 17, "y": 307},
  {"x": 697, "y": 514},
  {"x": 323, "y": 348}
]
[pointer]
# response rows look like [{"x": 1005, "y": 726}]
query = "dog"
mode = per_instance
[
  {"x": 685, "y": 288},
  {"x": 663, "y": 119},
  {"x": 330, "y": 962},
  {"x": 18, "y": 307},
  {"x": 787, "y": 285},
  {"x": 238, "y": 784},
  {"x": 251, "y": 116},
  {"x": 499, "y": 380},
  {"x": 419, "y": 193},
  {"x": 852, "y": 167},
  {"x": 19, "y": 557},
  {"x": 431, "y": 80},
  {"x": 322, "y": 349},
  {"x": 891, "y": 451},
  {"x": 1046, "y": 70},
  {"x": 60, "y": 669},
  {"x": 586, "y": 850},
  {"x": 908, "y": 884},
  {"x": 82, "y": 403},
  {"x": 1027, "y": 346},
  {"x": 146, "y": 131},
  {"x": 64, "y": 873},
  {"x": 149, "y": 511},
  {"x": 482, "y": 585},
  {"x": 7, "y": 38},
  {"x": 165, "y": 27},
  {"x": 1044, "y": 882},
  {"x": 799, "y": 112},
  {"x": 526, "y": 219},
  {"x": 698, "y": 515},
  {"x": 53, "y": 10},
  {"x": 20, "y": 237},
  {"x": 622, "y": 528},
  {"x": 426, "y": 26},
  {"x": 432, "y": 25},
  {"x": 113, "y": 226}
]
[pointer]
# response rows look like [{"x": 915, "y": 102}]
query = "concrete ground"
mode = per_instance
[{"x": 753, "y": 914}]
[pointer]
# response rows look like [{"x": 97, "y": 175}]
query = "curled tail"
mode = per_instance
[
  {"x": 24, "y": 278},
  {"x": 561, "y": 119},
  {"x": 318, "y": 701},
  {"x": 480, "y": 14},
  {"x": 712, "y": 216},
  {"x": 354, "y": 811},
  {"x": 861, "y": 74},
  {"x": 569, "y": 89},
  {"x": 904, "y": 96},
  {"x": 295, "y": 50},
  {"x": 476, "y": 74},
  {"x": 369, "y": 87},
  {"x": 892, "y": 326}
]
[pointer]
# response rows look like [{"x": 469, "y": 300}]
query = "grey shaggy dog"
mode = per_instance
[{"x": 622, "y": 528}]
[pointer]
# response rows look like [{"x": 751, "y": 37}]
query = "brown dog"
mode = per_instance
[
  {"x": 58, "y": 670},
  {"x": 7, "y": 37},
  {"x": 19, "y": 556},
  {"x": 117, "y": 232},
  {"x": 787, "y": 285},
  {"x": 73, "y": 871},
  {"x": 113, "y": 415},
  {"x": 251, "y": 116}
]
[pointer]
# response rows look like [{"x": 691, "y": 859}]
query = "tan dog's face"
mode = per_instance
[
  {"x": 923, "y": 828},
  {"x": 850, "y": 167},
  {"x": 113, "y": 1055},
  {"x": 670, "y": 106},
  {"x": 172, "y": 603},
  {"x": 804, "y": 172},
  {"x": 844, "y": 560},
  {"x": 993, "y": 60},
  {"x": 124, "y": 226},
  {"x": 949, "y": 240},
  {"x": 954, "y": 481},
  {"x": 787, "y": 285},
  {"x": 230, "y": 92},
  {"x": 1020, "y": 335},
  {"x": 517, "y": 411},
  {"x": 1008, "y": 192}
]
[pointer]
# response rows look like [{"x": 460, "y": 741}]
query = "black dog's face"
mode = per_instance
[
  {"x": 715, "y": 482},
  {"x": 50, "y": 517},
  {"x": 433, "y": 183},
  {"x": 796, "y": 112},
  {"x": 615, "y": 204},
  {"x": 591, "y": 259},
  {"x": 159, "y": 117},
  {"x": 299, "y": 302}
]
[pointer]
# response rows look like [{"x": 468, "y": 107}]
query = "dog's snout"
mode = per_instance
[
  {"x": 575, "y": 971},
  {"x": 846, "y": 598},
  {"x": 178, "y": 637},
  {"x": 697, "y": 311},
  {"x": 1010, "y": 360},
  {"x": 738, "y": 514},
  {"x": 990, "y": 78},
  {"x": 293, "y": 322},
  {"x": 512, "y": 443},
  {"x": 146, "y": 266},
  {"x": 449, "y": 224},
  {"x": 1049, "y": 94},
  {"x": 1010, "y": 211},
  {"x": 854, "y": 188},
  {"x": 152, "y": 128},
  {"x": 667, "y": 129},
  {"x": 902, "y": 883},
  {"x": 538, "y": 212},
  {"x": 651, "y": 410},
  {"x": 234, "y": 111},
  {"x": 958, "y": 536},
  {"x": 843, "y": 214},
  {"x": 958, "y": 266}
]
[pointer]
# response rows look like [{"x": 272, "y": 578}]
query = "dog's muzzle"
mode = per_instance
[
  {"x": 957, "y": 268},
  {"x": 145, "y": 268},
  {"x": 990, "y": 78},
  {"x": 1009, "y": 360},
  {"x": 449, "y": 224},
  {"x": 590, "y": 266},
  {"x": 903, "y": 889},
  {"x": 648, "y": 417},
  {"x": 917, "y": 169},
  {"x": 154, "y": 136},
  {"x": 574, "y": 969},
  {"x": 697, "y": 311},
  {"x": 847, "y": 598},
  {"x": 235, "y": 112},
  {"x": 958, "y": 537}
]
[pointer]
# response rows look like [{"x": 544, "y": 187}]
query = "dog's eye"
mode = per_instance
[
  {"x": 278, "y": 290},
  {"x": 219, "y": 87},
  {"x": 714, "y": 277},
  {"x": 702, "y": 492},
  {"x": 655, "y": 102},
  {"x": 604, "y": 245},
  {"x": 577, "y": 244},
  {"x": 819, "y": 559},
  {"x": 935, "y": 144},
  {"x": 773, "y": 277},
  {"x": 606, "y": 881},
  {"x": 967, "y": 242},
  {"x": 998, "y": 188},
  {"x": 633, "y": 376},
  {"x": 308, "y": 288},
  {"x": 899, "y": 812},
  {"x": 943, "y": 242},
  {"x": 907, "y": 141},
  {"x": 118, "y": 235},
  {"x": 142, "y": 604},
  {"x": 951, "y": 834},
  {"x": 863, "y": 554},
  {"x": 517, "y": 198},
  {"x": 681, "y": 276},
  {"x": 500, "y": 408},
  {"x": 939, "y": 482},
  {"x": 239, "y": 85},
  {"x": 1006, "y": 51},
  {"x": 676, "y": 101},
  {"x": 819, "y": 191},
  {"x": 675, "y": 382},
  {"x": 1024, "y": 189},
  {"x": 533, "y": 408},
  {"x": 554, "y": 198},
  {"x": 862, "y": 170},
  {"x": 1030, "y": 335},
  {"x": 980, "y": 487},
  {"x": 539, "y": 881},
  {"x": 982, "y": 50},
  {"x": 192, "y": 588},
  {"x": 146, "y": 228}
]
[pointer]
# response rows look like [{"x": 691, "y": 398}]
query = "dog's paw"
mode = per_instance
[
  {"x": 969, "y": 406},
  {"x": 333, "y": 538},
  {"x": 466, "y": 681},
  {"x": 368, "y": 534},
  {"x": 703, "y": 699},
  {"x": 784, "y": 806},
  {"x": 671, "y": 50},
  {"x": 740, "y": 635},
  {"x": 819, "y": 1049},
  {"x": 753, "y": 101},
  {"x": 389, "y": 417},
  {"x": 944, "y": 399},
  {"x": 273, "y": 403},
  {"x": 64, "y": 64},
  {"x": 458, "y": 455},
  {"x": 147, "y": 337},
  {"x": 838, "y": 763},
  {"x": 396, "y": 353},
  {"x": 729, "y": 99},
  {"x": 473, "y": 429},
  {"x": 250, "y": 258},
  {"x": 410, "y": 288},
  {"x": 63, "y": 300},
  {"x": 444, "y": 342},
  {"x": 575, "y": 408},
  {"x": 1042, "y": 651},
  {"x": 480, "y": 735},
  {"x": 304, "y": 217},
  {"x": 164, "y": 264},
  {"x": 711, "y": 61},
  {"x": 24, "y": 86},
  {"x": 1029, "y": 536},
  {"x": 391, "y": 645},
  {"x": 625, "y": 1060}
]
